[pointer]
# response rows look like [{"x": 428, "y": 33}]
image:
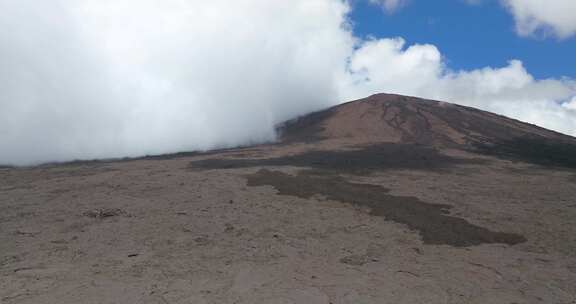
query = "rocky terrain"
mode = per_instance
[{"x": 389, "y": 199}]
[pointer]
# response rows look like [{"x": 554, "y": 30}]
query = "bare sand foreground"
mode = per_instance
[{"x": 172, "y": 231}]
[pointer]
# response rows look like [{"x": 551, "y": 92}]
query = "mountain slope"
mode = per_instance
[
  {"x": 382, "y": 200},
  {"x": 402, "y": 119},
  {"x": 388, "y": 118}
]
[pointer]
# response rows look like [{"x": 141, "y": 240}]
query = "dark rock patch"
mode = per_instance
[
  {"x": 306, "y": 128},
  {"x": 538, "y": 151},
  {"x": 373, "y": 158},
  {"x": 432, "y": 221},
  {"x": 105, "y": 213},
  {"x": 355, "y": 260}
]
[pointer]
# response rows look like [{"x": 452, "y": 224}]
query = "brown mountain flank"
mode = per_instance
[{"x": 401, "y": 119}]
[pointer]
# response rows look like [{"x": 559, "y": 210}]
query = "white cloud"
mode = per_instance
[
  {"x": 387, "y": 66},
  {"x": 557, "y": 17},
  {"x": 87, "y": 79},
  {"x": 390, "y": 5},
  {"x": 112, "y": 78},
  {"x": 571, "y": 104}
]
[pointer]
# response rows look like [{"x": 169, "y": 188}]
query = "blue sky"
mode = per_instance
[{"x": 469, "y": 36}]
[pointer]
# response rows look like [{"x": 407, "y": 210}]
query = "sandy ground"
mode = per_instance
[{"x": 156, "y": 231}]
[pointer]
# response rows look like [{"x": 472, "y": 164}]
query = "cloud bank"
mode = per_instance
[
  {"x": 112, "y": 78},
  {"x": 84, "y": 79}
]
